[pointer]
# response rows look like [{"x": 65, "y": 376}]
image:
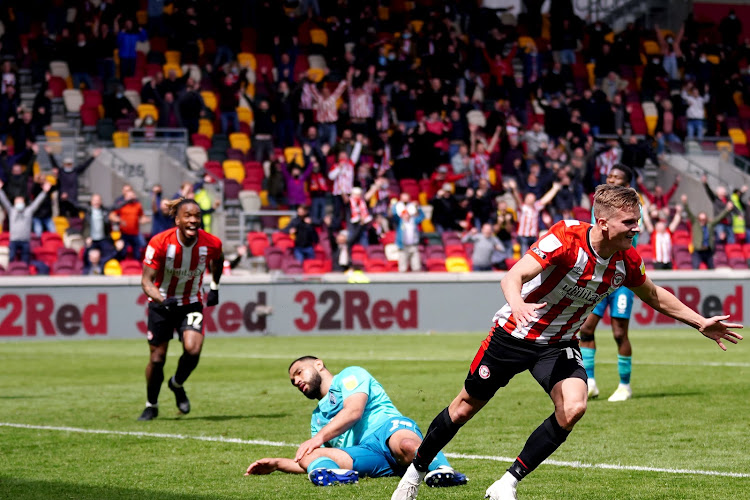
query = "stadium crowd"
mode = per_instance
[{"x": 425, "y": 135}]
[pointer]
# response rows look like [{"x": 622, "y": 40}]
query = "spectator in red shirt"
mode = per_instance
[{"x": 128, "y": 215}]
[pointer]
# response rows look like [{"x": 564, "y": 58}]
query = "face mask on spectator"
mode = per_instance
[{"x": 19, "y": 205}]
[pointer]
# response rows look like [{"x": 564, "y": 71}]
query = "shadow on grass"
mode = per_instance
[
  {"x": 668, "y": 395},
  {"x": 28, "y": 489},
  {"x": 222, "y": 418}
]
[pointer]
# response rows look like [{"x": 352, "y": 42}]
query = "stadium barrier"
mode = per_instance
[{"x": 35, "y": 308}]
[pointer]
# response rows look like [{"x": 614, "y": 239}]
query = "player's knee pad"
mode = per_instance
[{"x": 322, "y": 463}]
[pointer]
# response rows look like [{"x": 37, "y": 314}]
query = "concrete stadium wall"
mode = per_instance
[{"x": 36, "y": 308}]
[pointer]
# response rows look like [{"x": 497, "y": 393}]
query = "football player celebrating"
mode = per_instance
[
  {"x": 173, "y": 270},
  {"x": 549, "y": 294}
]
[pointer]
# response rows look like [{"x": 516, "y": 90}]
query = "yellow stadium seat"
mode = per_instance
[
  {"x": 417, "y": 24},
  {"x": 234, "y": 169},
  {"x": 423, "y": 198},
  {"x": 145, "y": 110},
  {"x": 121, "y": 139},
  {"x": 247, "y": 60},
  {"x": 651, "y": 123},
  {"x": 590, "y": 67},
  {"x": 319, "y": 37},
  {"x": 526, "y": 43},
  {"x": 209, "y": 99},
  {"x": 112, "y": 268},
  {"x": 427, "y": 226},
  {"x": 457, "y": 265},
  {"x": 263, "y": 198},
  {"x": 610, "y": 37},
  {"x": 141, "y": 17},
  {"x": 167, "y": 68},
  {"x": 724, "y": 147},
  {"x": 61, "y": 224},
  {"x": 206, "y": 127},
  {"x": 239, "y": 140},
  {"x": 651, "y": 48},
  {"x": 294, "y": 155},
  {"x": 491, "y": 176},
  {"x": 250, "y": 90},
  {"x": 245, "y": 115},
  {"x": 316, "y": 74},
  {"x": 738, "y": 136},
  {"x": 284, "y": 221},
  {"x": 172, "y": 56},
  {"x": 713, "y": 59}
]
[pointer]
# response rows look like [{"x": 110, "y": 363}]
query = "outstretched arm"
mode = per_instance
[
  {"x": 714, "y": 327},
  {"x": 269, "y": 465}
]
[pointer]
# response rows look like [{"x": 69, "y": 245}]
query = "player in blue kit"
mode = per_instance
[
  {"x": 620, "y": 305},
  {"x": 356, "y": 430}
]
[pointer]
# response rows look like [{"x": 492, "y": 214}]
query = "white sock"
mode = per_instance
[
  {"x": 413, "y": 475},
  {"x": 149, "y": 405},
  {"x": 508, "y": 477}
]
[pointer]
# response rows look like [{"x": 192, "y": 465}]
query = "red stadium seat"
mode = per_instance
[
  {"x": 257, "y": 242},
  {"x": 131, "y": 267}
]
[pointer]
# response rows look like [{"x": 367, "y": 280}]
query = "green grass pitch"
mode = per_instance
[{"x": 688, "y": 419}]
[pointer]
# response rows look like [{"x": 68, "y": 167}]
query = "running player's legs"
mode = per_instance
[
  {"x": 161, "y": 326},
  {"x": 190, "y": 330}
]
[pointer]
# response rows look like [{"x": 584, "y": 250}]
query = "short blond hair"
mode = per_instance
[{"x": 609, "y": 199}]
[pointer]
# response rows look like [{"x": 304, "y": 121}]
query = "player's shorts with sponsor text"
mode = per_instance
[
  {"x": 162, "y": 324},
  {"x": 372, "y": 457},
  {"x": 502, "y": 356},
  {"x": 620, "y": 304}
]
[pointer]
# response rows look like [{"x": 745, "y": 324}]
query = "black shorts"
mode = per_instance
[
  {"x": 162, "y": 324},
  {"x": 501, "y": 356}
]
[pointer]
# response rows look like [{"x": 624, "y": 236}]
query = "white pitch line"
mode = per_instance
[
  {"x": 412, "y": 359},
  {"x": 279, "y": 444}
]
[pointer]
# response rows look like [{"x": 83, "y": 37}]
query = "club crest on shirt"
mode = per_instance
[
  {"x": 484, "y": 372},
  {"x": 539, "y": 252},
  {"x": 617, "y": 279},
  {"x": 577, "y": 270},
  {"x": 332, "y": 398},
  {"x": 202, "y": 255}
]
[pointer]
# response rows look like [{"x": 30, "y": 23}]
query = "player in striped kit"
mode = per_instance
[
  {"x": 549, "y": 293},
  {"x": 173, "y": 270}
]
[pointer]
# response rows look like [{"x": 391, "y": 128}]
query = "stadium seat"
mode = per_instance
[
  {"x": 200, "y": 140},
  {"x": 316, "y": 75},
  {"x": 73, "y": 100},
  {"x": 172, "y": 56},
  {"x": 240, "y": 141},
  {"x": 284, "y": 221},
  {"x": 234, "y": 169},
  {"x": 57, "y": 85},
  {"x": 209, "y": 99},
  {"x": 132, "y": 83},
  {"x": 247, "y": 60},
  {"x": 257, "y": 242},
  {"x": 245, "y": 115},
  {"x": 250, "y": 200},
  {"x": 130, "y": 267},
  {"x": 291, "y": 266},
  {"x": 319, "y": 37},
  {"x": 206, "y": 127},
  {"x": 274, "y": 258},
  {"x": 89, "y": 116},
  {"x": 134, "y": 97},
  {"x": 196, "y": 157},
  {"x": 294, "y": 155},
  {"x": 215, "y": 169},
  {"x": 282, "y": 240},
  {"x": 52, "y": 240},
  {"x": 59, "y": 69},
  {"x": 376, "y": 266},
  {"x": 738, "y": 136},
  {"x": 121, "y": 139},
  {"x": 316, "y": 266},
  {"x": 455, "y": 264},
  {"x": 146, "y": 110},
  {"x": 17, "y": 268},
  {"x": 112, "y": 268}
]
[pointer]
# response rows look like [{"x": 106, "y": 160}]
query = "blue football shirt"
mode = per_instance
[{"x": 378, "y": 409}]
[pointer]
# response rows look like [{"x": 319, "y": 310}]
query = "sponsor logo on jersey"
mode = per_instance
[
  {"x": 332, "y": 398},
  {"x": 150, "y": 251},
  {"x": 617, "y": 279},
  {"x": 350, "y": 383},
  {"x": 577, "y": 270},
  {"x": 539, "y": 252},
  {"x": 580, "y": 292},
  {"x": 484, "y": 372}
]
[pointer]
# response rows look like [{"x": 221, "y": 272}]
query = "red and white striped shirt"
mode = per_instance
[
  {"x": 342, "y": 175},
  {"x": 528, "y": 219},
  {"x": 326, "y": 110},
  {"x": 662, "y": 246},
  {"x": 360, "y": 102},
  {"x": 573, "y": 280},
  {"x": 180, "y": 269},
  {"x": 480, "y": 165},
  {"x": 307, "y": 98}
]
